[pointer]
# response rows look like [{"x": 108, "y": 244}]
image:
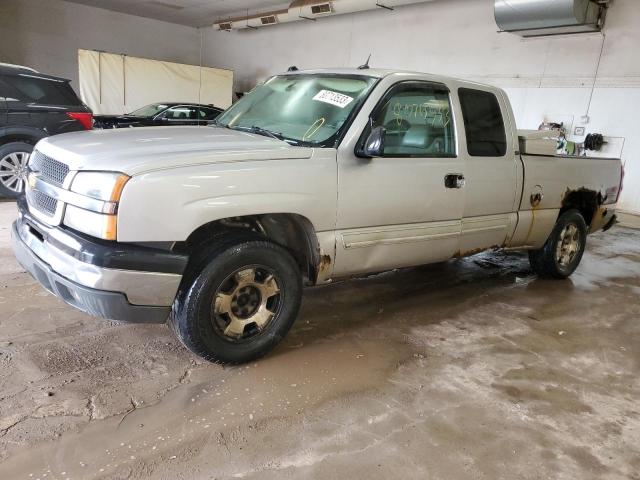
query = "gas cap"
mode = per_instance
[{"x": 536, "y": 196}]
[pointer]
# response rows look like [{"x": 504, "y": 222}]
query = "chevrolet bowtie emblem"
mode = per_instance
[{"x": 31, "y": 180}]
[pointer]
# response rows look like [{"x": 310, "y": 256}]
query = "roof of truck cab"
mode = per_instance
[{"x": 385, "y": 72}]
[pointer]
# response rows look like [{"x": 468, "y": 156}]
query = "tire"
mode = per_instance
[
  {"x": 563, "y": 250},
  {"x": 226, "y": 309},
  {"x": 13, "y": 168}
]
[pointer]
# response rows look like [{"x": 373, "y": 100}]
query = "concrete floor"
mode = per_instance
[{"x": 472, "y": 369}]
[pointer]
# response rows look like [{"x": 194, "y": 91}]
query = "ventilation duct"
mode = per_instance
[
  {"x": 535, "y": 18},
  {"x": 305, "y": 10}
]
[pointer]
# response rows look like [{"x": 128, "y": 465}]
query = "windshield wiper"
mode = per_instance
[
  {"x": 265, "y": 132},
  {"x": 262, "y": 131},
  {"x": 258, "y": 130}
]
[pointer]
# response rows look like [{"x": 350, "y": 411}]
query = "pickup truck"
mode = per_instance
[{"x": 313, "y": 176}]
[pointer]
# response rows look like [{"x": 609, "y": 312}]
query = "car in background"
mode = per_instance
[
  {"x": 156, "y": 114},
  {"x": 32, "y": 106}
]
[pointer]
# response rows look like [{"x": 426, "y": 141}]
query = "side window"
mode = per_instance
[
  {"x": 5, "y": 90},
  {"x": 180, "y": 113},
  {"x": 32, "y": 89},
  {"x": 417, "y": 120},
  {"x": 483, "y": 123},
  {"x": 208, "y": 113}
]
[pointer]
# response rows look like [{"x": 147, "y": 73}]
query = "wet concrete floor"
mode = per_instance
[{"x": 470, "y": 369}]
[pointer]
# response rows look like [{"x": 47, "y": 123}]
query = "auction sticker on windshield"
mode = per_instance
[{"x": 334, "y": 98}]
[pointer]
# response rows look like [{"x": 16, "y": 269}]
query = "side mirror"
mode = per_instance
[{"x": 374, "y": 144}]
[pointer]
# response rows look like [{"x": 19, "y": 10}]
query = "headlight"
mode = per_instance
[
  {"x": 99, "y": 219},
  {"x": 106, "y": 186}
]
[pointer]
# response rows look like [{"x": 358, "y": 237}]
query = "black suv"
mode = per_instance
[{"x": 33, "y": 106}]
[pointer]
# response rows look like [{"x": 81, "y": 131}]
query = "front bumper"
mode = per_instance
[{"x": 90, "y": 275}]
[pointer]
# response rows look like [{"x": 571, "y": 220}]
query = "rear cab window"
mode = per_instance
[{"x": 483, "y": 123}]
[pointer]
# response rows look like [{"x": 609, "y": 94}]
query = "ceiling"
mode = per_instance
[{"x": 194, "y": 13}]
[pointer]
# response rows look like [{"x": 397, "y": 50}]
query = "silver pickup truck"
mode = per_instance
[{"x": 311, "y": 177}]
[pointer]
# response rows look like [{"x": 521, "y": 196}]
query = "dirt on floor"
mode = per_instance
[{"x": 469, "y": 369}]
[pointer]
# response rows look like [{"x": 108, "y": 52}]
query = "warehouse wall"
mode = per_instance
[
  {"x": 46, "y": 35},
  {"x": 545, "y": 78}
]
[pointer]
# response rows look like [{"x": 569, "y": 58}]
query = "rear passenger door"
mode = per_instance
[{"x": 490, "y": 170}]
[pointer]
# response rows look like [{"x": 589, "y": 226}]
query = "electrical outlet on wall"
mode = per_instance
[{"x": 579, "y": 131}]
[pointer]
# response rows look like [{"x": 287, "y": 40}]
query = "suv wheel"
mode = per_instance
[
  {"x": 14, "y": 157},
  {"x": 561, "y": 254},
  {"x": 239, "y": 300}
]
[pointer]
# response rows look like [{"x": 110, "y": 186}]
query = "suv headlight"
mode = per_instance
[{"x": 106, "y": 187}]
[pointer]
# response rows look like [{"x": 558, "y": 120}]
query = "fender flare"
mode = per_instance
[{"x": 21, "y": 133}]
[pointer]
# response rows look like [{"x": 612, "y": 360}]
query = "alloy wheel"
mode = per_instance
[
  {"x": 246, "y": 303},
  {"x": 13, "y": 170},
  {"x": 568, "y": 246}
]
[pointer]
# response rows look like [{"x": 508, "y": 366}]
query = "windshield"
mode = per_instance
[
  {"x": 149, "y": 110},
  {"x": 301, "y": 109}
]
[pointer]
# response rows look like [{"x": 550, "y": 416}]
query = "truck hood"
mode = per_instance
[{"x": 138, "y": 150}]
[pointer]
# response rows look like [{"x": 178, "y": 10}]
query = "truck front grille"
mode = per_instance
[
  {"x": 49, "y": 169},
  {"x": 42, "y": 202}
]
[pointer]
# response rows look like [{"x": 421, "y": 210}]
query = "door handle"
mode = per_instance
[{"x": 454, "y": 180}]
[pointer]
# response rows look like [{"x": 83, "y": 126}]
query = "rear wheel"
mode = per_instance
[
  {"x": 239, "y": 300},
  {"x": 14, "y": 157},
  {"x": 561, "y": 254}
]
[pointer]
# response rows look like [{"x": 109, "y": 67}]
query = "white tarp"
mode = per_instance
[{"x": 116, "y": 84}]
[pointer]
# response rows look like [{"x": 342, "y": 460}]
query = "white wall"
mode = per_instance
[
  {"x": 46, "y": 35},
  {"x": 459, "y": 37}
]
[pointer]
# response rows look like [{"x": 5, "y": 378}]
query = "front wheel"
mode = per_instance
[
  {"x": 561, "y": 254},
  {"x": 239, "y": 300}
]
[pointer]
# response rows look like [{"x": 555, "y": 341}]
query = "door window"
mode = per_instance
[
  {"x": 418, "y": 121},
  {"x": 483, "y": 123},
  {"x": 181, "y": 113},
  {"x": 208, "y": 113}
]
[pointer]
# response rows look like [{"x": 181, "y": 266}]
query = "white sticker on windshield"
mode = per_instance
[{"x": 334, "y": 98}]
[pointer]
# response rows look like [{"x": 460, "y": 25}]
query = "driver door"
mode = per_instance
[{"x": 404, "y": 207}]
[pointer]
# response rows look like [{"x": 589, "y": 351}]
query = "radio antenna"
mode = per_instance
[{"x": 366, "y": 64}]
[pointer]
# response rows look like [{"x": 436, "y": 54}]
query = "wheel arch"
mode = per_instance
[
  {"x": 292, "y": 231},
  {"x": 587, "y": 201},
  {"x": 21, "y": 134}
]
